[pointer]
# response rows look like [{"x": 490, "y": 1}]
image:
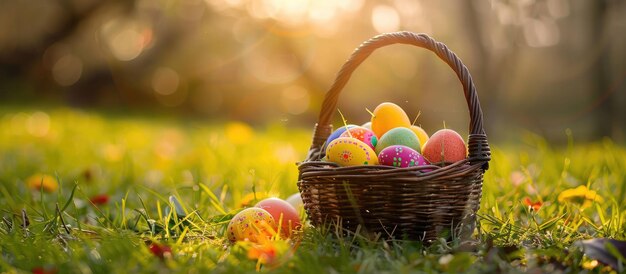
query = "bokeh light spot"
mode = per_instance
[
  {"x": 273, "y": 67},
  {"x": 286, "y": 154},
  {"x": 295, "y": 100},
  {"x": 112, "y": 152},
  {"x": 126, "y": 45},
  {"x": 126, "y": 40},
  {"x": 165, "y": 81},
  {"x": 38, "y": 124},
  {"x": 558, "y": 8},
  {"x": 67, "y": 70},
  {"x": 239, "y": 133},
  {"x": 541, "y": 33},
  {"x": 385, "y": 19}
]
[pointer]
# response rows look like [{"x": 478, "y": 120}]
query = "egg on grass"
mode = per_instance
[
  {"x": 295, "y": 200},
  {"x": 283, "y": 213},
  {"x": 251, "y": 224}
]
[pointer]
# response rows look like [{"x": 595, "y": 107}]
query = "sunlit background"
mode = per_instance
[{"x": 540, "y": 65}]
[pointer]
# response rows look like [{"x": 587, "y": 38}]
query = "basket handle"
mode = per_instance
[{"x": 479, "y": 151}]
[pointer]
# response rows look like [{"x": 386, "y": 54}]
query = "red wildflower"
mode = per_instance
[
  {"x": 42, "y": 270},
  {"x": 160, "y": 250},
  {"x": 99, "y": 199},
  {"x": 534, "y": 206}
]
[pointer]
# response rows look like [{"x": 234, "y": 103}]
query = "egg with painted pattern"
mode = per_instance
[
  {"x": 363, "y": 134},
  {"x": 401, "y": 156},
  {"x": 251, "y": 224},
  {"x": 346, "y": 151}
]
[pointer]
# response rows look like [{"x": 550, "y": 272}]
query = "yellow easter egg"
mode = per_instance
[
  {"x": 421, "y": 134},
  {"x": 387, "y": 116},
  {"x": 347, "y": 151},
  {"x": 251, "y": 224}
]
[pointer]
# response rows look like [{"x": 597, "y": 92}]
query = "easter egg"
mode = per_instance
[
  {"x": 387, "y": 116},
  {"x": 421, "y": 134},
  {"x": 400, "y": 156},
  {"x": 338, "y": 133},
  {"x": 367, "y": 125},
  {"x": 346, "y": 151},
  {"x": 399, "y": 136},
  {"x": 251, "y": 224},
  {"x": 445, "y": 146},
  {"x": 283, "y": 213},
  {"x": 363, "y": 134},
  {"x": 295, "y": 200}
]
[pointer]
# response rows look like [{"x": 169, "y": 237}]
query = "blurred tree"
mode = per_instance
[
  {"x": 543, "y": 65},
  {"x": 605, "y": 105},
  {"x": 22, "y": 61}
]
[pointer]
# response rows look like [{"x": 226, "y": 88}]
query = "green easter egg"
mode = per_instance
[{"x": 398, "y": 136}]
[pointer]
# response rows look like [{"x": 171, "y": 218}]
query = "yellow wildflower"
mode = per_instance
[
  {"x": 239, "y": 133},
  {"x": 38, "y": 181},
  {"x": 581, "y": 195},
  {"x": 589, "y": 265}
]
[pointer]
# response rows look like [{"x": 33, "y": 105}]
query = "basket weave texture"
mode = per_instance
[{"x": 418, "y": 203}]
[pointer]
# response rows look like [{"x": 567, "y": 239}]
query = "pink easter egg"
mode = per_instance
[{"x": 400, "y": 156}]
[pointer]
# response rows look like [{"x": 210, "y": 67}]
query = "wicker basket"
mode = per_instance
[{"x": 417, "y": 203}]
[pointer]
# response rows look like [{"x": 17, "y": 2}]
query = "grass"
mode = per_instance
[{"x": 140, "y": 163}]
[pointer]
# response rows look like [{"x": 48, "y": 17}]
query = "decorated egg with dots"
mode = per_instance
[
  {"x": 365, "y": 135},
  {"x": 251, "y": 224},
  {"x": 346, "y": 151},
  {"x": 400, "y": 156}
]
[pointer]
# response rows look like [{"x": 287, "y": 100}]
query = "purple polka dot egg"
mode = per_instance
[{"x": 401, "y": 156}]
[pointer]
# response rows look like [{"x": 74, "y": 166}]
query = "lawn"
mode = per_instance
[{"x": 120, "y": 175}]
